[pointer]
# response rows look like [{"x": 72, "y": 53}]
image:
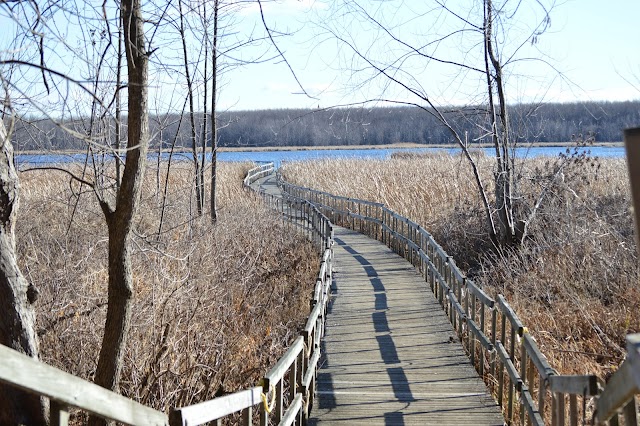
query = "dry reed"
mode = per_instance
[
  {"x": 215, "y": 305},
  {"x": 573, "y": 282}
]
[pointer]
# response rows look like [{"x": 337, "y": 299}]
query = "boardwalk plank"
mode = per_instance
[{"x": 391, "y": 356}]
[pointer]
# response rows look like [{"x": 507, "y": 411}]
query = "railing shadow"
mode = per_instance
[{"x": 498, "y": 344}]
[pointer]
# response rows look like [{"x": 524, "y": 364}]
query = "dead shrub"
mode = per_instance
[
  {"x": 215, "y": 305},
  {"x": 574, "y": 280}
]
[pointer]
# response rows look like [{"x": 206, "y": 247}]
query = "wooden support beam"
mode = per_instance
[{"x": 632, "y": 146}]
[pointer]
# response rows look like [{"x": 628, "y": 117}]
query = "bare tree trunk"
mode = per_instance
[
  {"x": 194, "y": 144},
  {"x": 203, "y": 141},
  {"x": 118, "y": 136},
  {"x": 120, "y": 301},
  {"x": 17, "y": 318},
  {"x": 165, "y": 192},
  {"x": 119, "y": 219},
  {"x": 214, "y": 120},
  {"x": 500, "y": 130}
]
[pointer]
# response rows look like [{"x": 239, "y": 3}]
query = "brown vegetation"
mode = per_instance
[
  {"x": 214, "y": 305},
  {"x": 574, "y": 280}
]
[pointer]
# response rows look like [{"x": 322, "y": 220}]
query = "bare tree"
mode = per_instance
[
  {"x": 119, "y": 215},
  {"x": 214, "y": 118},
  {"x": 80, "y": 104},
  {"x": 199, "y": 181},
  {"x": 17, "y": 322},
  {"x": 214, "y": 30},
  {"x": 118, "y": 196},
  {"x": 488, "y": 43}
]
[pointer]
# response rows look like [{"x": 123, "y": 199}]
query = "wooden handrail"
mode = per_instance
[
  {"x": 284, "y": 363},
  {"x": 506, "y": 349},
  {"x": 623, "y": 385},
  {"x": 258, "y": 172},
  {"x": 67, "y": 390},
  {"x": 215, "y": 409},
  {"x": 301, "y": 359}
]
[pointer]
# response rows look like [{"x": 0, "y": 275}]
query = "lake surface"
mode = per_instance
[{"x": 279, "y": 156}]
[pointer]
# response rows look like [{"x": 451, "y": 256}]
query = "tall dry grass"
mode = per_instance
[
  {"x": 215, "y": 306},
  {"x": 574, "y": 282}
]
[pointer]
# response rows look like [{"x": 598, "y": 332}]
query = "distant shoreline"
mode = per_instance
[{"x": 340, "y": 147}]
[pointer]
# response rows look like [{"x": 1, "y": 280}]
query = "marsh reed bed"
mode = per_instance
[
  {"x": 573, "y": 281},
  {"x": 215, "y": 305}
]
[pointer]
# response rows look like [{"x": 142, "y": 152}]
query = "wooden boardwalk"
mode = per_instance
[{"x": 391, "y": 356}]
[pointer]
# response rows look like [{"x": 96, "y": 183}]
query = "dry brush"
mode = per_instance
[
  {"x": 574, "y": 280},
  {"x": 215, "y": 305}
]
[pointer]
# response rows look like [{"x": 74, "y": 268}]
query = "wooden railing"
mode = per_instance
[
  {"x": 497, "y": 342},
  {"x": 621, "y": 388},
  {"x": 495, "y": 339},
  {"x": 284, "y": 396},
  {"x": 66, "y": 391},
  {"x": 257, "y": 173},
  {"x": 286, "y": 392}
]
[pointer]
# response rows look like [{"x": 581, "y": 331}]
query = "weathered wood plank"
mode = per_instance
[
  {"x": 537, "y": 357},
  {"x": 282, "y": 366},
  {"x": 311, "y": 369},
  {"x": 392, "y": 357},
  {"x": 479, "y": 335},
  {"x": 216, "y": 408},
  {"x": 293, "y": 412},
  {"x": 533, "y": 414},
  {"x": 510, "y": 314},
  {"x": 514, "y": 376},
  {"x": 620, "y": 389},
  {"x": 579, "y": 385},
  {"x": 28, "y": 374},
  {"x": 479, "y": 294}
]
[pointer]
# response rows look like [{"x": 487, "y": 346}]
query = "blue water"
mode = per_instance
[{"x": 279, "y": 156}]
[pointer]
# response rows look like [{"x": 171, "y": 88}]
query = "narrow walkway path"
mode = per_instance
[{"x": 391, "y": 355}]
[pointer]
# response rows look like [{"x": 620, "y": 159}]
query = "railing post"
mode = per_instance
[
  {"x": 494, "y": 326},
  {"x": 293, "y": 376},
  {"x": 510, "y": 395},
  {"x": 542, "y": 394},
  {"x": 573, "y": 410},
  {"x": 560, "y": 417},
  {"x": 482, "y": 329},
  {"x": 523, "y": 376},
  {"x": 59, "y": 414},
  {"x": 630, "y": 412},
  {"x": 279, "y": 401},
  {"x": 247, "y": 416},
  {"x": 264, "y": 415},
  {"x": 472, "y": 337}
]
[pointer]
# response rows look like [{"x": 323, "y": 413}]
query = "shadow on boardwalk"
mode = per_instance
[{"x": 391, "y": 356}]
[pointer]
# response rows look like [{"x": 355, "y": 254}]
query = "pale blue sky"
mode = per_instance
[
  {"x": 592, "y": 46},
  {"x": 595, "y": 44}
]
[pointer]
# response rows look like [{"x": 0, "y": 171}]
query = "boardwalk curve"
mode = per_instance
[{"x": 391, "y": 355}]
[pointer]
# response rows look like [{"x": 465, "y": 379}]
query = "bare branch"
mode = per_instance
[
  {"x": 56, "y": 73},
  {"x": 63, "y": 170},
  {"x": 280, "y": 53}
]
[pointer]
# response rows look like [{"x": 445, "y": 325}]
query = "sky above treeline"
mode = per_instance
[
  {"x": 592, "y": 50},
  {"x": 556, "y": 51}
]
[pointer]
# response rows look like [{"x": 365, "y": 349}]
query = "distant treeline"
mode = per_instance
[{"x": 556, "y": 122}]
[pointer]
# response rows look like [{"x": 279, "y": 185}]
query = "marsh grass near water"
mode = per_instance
[
  {"x": 574, "y": 282},
  {"x": 215, "y": 305}
]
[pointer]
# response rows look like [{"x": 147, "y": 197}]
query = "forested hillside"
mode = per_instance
[{"x": 364, "y": 126}]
